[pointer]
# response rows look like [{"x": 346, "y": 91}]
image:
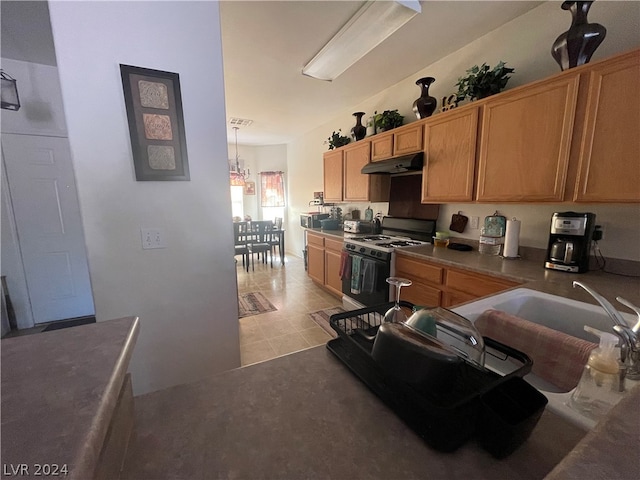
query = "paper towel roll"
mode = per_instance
[{"x": 511, "y": 238}]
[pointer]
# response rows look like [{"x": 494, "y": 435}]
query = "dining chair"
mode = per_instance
[
  {"x": 275, "y": 237},
  {"x": 241, "y": 242},
  {"x": 261, "y": 233}
]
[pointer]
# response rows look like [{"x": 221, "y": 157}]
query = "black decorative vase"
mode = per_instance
[
  {"x": 575, "y": 46},
  {"x": 424, "y": 106},
  {"x": 359, "y": 131}
]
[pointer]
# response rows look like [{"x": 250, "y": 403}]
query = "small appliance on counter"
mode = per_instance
[
  {"x": 570, "y": 241},
  {"x": 357, "y": 226},
  {"x": 312, "y": 219}
]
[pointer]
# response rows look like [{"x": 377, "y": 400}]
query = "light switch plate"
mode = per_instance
[{"x": 152, "y": 238}]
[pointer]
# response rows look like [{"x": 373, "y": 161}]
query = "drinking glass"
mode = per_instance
[{"x": 395, "y": 313}]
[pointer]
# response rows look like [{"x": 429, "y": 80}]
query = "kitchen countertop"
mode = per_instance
[
  {"x": 528, "y": 271},
  {"x": 305, "y": 415},
  {"x": 59, "y": 392},
  {"x": 532, "y": 274}
]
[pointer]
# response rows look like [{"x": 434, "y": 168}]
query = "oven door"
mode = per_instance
[{"x": 371, "y": 287}]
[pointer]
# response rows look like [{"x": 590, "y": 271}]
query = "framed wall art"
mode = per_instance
[
  {"x": 156, "y": 123},
  {"x": 249, "y": 188}
]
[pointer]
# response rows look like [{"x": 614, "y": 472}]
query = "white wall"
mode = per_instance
[
  {"x": 525, "y": 44},
  {"x": 185, "y": 294}
]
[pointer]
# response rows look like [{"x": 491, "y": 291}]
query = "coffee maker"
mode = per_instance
[{"x": 570, "y": 241}]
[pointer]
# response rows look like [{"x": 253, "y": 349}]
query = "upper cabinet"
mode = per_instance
[
  {"x": 450, "y": 155},
  {"x": 333, "y": 176},
  {"x": 525, "y": 141},
  {"x": 358, "y": 187},
  {"x": 399, "y": 141},
  {"x": 382, "y": 146},
  {"x": 407, "y": 139},
  {"x": 609, "y": 161}
]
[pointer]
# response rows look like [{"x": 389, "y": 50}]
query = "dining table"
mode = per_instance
[{"x": 279, "y": 232}]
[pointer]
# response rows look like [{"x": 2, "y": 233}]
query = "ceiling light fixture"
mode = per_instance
[
  {"x": 368, "y": 28},
  {"x": 238, "y": 176},
  {"x": 9, "y": 92}
]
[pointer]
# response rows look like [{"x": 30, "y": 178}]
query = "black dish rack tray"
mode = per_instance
[{"x": 499, "y": 411}]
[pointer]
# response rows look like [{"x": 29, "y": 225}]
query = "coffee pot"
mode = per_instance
[
  {"x": 564, "y": 250},
  {"x": 570, "y": 241}
]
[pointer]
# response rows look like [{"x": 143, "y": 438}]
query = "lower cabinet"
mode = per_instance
[
  {"x": 437, "y": 285},
  {"x": 323, "y": 261},
  {"x": 315, "y": 257},
  {"x": 332, "y": 257}
]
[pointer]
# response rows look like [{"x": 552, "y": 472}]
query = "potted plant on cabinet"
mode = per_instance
[
  {"x": 483, "y": 81},
  {"x": 387, "y": 120},
  {"x": 336, "y": 140}
]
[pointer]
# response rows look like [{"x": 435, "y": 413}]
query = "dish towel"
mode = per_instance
[
  {"x": 369, "y": 270},
  {"x": 356, "y": 274},
  {"x": 345, "y": 265},
  {"x": 557, "y": 357}
]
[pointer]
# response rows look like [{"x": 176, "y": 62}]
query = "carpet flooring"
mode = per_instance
[
  {"x": 321, "y": 317},
  {"x": 253, "y": 303}
]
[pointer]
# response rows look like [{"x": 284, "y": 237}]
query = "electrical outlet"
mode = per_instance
[
  {"x": 602, "y": 227},
  {"x": 152, "y": 238},
  {"x": 474, "y": 224}
]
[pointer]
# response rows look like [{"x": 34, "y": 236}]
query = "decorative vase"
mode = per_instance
[
  {"x": 424, "y": 106},
  {"x": 575, "y": 46},
  {"x": 359, "y": 131}
]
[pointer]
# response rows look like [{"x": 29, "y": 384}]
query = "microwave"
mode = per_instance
[{"x": 312, "y": 219}]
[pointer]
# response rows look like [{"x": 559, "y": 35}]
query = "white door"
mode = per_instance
[{"x": 47, "y": 214}]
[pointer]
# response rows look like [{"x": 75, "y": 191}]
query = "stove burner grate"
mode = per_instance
[{"x": 399, "y": 243}]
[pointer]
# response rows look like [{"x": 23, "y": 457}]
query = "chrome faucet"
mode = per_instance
[{"x": 630, "y": 347}]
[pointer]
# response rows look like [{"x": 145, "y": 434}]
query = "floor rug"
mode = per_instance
[
  {"x": 253, "y": 304},
  {"x": 321, "y": 317},
  {"x": 69, "y": 323}
]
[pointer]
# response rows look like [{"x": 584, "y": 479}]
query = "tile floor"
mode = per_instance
[{"x": 289, "y": 329}]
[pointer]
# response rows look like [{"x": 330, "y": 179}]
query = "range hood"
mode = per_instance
[{"x": 406, "y": 163}]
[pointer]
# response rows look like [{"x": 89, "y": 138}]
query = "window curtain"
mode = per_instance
[
  {"x": 272, "y": 189},
  {"x": 237, "y": 180}
]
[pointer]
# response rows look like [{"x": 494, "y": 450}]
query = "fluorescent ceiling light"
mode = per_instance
[{"x": 368, "y": 28}]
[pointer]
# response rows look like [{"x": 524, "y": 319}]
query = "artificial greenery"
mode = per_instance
[
  {"x": 483, "y": 81},
  {"x": 336, "y": 140},
  {"x": 387, "y": 120}
]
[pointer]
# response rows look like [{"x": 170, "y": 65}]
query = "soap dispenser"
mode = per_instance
[{"x": 600, "y": 385}]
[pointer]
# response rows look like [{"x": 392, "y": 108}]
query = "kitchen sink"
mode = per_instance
[
  {"x": 559, "y": 313},
  {"x": 562, "y": 314}
]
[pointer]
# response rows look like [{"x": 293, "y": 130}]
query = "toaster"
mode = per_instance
[{"x": 357, "y": 226}]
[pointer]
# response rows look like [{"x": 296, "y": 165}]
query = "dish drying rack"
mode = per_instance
[{"x": 500, "y": 411}]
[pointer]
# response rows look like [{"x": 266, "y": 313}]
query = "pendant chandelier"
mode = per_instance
[{"x": 238, "y": 176}]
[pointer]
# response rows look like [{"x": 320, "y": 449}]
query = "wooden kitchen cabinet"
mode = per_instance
[
  {"x": 323, "y": 261},
  {"x": 444, "y": 286},
  {"x": 382, "y": 146},
  {"x": 525, "y": 141},
  {"x": 358, "y": 187},
  {"x": 407, "y": 139},
  {"x": 462, "y": 286},
  {"x": 450, "y": 156},
  {"x": 609, "y": 161},
  {"x": 315, "y": 257},
  {"x": 332, "y": 258},
  {"x": 332, "y": 173}
]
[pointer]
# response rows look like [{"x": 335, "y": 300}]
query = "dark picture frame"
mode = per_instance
[{"x": 156, "y": 124}]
